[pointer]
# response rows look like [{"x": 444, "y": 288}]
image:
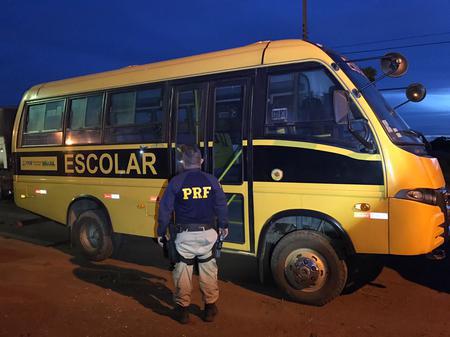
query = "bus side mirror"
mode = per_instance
[
  {"x": 394, "y": 65},
  {"x": 416, "y": 92},
  {"x": 341, "y": 106}
]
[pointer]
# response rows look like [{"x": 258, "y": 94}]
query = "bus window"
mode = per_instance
[
  {"x": 84, "y": 125},
  {"x": 300, "y": 106},
  {"x": 43, "y": 124},
  {"x": 189, "y": 116},
  {"x": 228, "y": 133},
  {"x": 135, "y": 117}
]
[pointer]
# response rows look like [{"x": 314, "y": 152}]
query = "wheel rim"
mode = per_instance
[
  {"x": 306, "y": 270},
  {"x": 90, "y": 236}
]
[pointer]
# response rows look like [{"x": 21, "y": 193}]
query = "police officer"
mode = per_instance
[{"x": 197, "y": 200}]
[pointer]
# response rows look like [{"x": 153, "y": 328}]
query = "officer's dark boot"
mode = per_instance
[
  {"x": 181, "y": 314},
  {"x": 210, "y": 312}
]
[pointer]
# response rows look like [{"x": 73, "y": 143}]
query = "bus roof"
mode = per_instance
[{"x": 257, "y": 54}]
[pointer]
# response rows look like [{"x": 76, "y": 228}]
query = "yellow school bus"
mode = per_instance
[{"x": 316, "y": 166}]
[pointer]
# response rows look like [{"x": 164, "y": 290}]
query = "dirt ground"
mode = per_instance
[{"x": 46, "y": 290}]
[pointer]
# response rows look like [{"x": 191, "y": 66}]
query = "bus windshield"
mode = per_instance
[{"x": 397, "y": 129}]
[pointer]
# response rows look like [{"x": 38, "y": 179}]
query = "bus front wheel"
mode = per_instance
[
  {"x": 306, "y": 267},
  {"x": 92, "y": 235}
]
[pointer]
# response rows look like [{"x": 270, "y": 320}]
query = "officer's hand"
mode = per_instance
[
  {"x": 223, "y": 232},
  {"x": 161, "y": 240}
]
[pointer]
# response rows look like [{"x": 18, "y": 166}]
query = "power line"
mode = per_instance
[
  {"x": 397, "y": 47},
  {"x": 391, "y": 89},
  {"x": 391, "y": 40}
]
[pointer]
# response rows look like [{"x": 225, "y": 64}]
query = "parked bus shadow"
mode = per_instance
[
  {"x": 364, "y": 270},
  {"x": 147, "y": 289},
  {"x": 242, "y": 270},
  {"x": 238, "y": 269},
  {"x": 433, "y": 274}
]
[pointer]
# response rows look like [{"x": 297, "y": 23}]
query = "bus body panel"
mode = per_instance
[
  {"x": 337, "y": 196},
  {"x": 131, "y": 203},
  {"x": 285, "y": 51},
  {"x": 368, "y": 235},
  {"x": 414, "y": 227},
  {"x": 237, "y": 58},
  {"x": 417, "y": 233},
  {"x": 406, "y": 170}
]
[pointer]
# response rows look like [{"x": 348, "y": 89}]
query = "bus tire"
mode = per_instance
[
  {"x": 306, "y": 267},
  {"x": 92, "y": 235}
]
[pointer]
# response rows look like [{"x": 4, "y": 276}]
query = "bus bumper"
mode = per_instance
[{"x": 416, "y": 228}]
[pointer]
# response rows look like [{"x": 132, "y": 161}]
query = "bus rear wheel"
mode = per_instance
[
  {"x": 92, "y": 235},
  {"x": 306, "y": 267}
]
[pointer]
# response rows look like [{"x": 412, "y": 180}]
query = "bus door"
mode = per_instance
[
  {"x": 226, "y": 153},
  {"x": 212, "y": 116}
]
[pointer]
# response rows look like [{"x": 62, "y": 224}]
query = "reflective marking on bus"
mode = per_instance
[
  {"x": 40, "y": 191},
  {"x": 111, "y": 196},
  {"x": 361, "y": 215},
  {"x": 380, "y": 216},
  {"x": 371, "y": 215}
]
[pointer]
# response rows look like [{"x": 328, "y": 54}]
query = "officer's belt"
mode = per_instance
[{"x": 193, "y": 227}]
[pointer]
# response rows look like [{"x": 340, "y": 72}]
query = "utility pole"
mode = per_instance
[{"x": 305, "y": 22}]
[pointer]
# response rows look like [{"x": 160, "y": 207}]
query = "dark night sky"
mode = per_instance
[{"x": 47, "y": 40}]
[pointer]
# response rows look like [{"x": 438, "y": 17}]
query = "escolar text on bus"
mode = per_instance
[{"x": 109, "y": 163}]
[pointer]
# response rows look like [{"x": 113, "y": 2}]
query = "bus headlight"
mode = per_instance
[
  {"x": 425, "y": 195},
  {"x": 417, "y": 195}
]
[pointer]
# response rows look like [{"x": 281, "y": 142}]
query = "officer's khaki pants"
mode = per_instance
[{"x": 190, "y": 245}]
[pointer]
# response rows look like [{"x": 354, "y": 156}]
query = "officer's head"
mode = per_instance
[{"x": 191, "y": 157}]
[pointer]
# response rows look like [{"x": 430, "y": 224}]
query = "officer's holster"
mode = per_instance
[{"x": 170, "y": 248}]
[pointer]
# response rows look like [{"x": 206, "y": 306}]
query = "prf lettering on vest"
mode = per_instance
[
  {"x": 108, "y": 163},
  {"x": 196, "y": 192}
]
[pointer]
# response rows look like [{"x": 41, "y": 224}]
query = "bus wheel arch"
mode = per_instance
[
  {"x": 286, "y": 222},
  {"x": 84, "y": 203},
  {"x": 91, "y": 229}
]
